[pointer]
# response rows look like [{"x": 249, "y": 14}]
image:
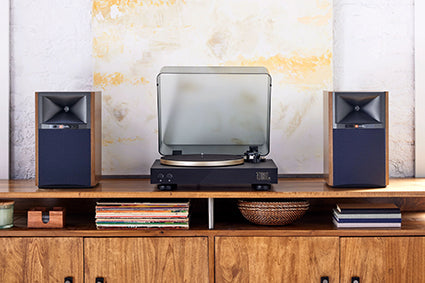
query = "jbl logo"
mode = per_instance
[{"x": 263, "y": 176}]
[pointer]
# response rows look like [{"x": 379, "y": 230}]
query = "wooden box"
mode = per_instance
[{"x": 41, "y": 217}]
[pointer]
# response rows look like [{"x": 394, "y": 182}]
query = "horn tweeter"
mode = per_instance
[{"x": 64, "y": 110}]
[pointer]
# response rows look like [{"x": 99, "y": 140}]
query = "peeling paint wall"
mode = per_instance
[
  {"x": 52, "y": 48},
  {"x": 133, "y": 40}
]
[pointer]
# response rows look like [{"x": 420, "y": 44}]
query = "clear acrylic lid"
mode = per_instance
[{"x": 213, "y": 110}]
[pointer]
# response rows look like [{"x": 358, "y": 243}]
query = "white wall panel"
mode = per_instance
[
  {"x": 420, "y": 89},
  {"x": 4, "y": 89}
]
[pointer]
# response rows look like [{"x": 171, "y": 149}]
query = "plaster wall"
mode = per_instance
[
  {"x": 373, "y": 49},
  {"x": 50, "y": 50}
]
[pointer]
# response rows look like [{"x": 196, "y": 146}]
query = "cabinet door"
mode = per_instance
[
  {"x": 383, "y": 259},
  {"x": 162, "y": 259},
  {"x": 41, "y": 259},
  {"x": 276, "y": 259}
]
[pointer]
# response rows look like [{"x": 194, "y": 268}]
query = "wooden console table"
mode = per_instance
[{"x": 309, "y": 250}]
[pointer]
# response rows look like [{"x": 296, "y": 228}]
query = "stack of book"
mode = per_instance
[
  {"x": 350, "y": 215},
  {"x": 120, "y": 215}
]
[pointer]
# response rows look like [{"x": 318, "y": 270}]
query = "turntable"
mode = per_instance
[{"x": 213, "y": 127}]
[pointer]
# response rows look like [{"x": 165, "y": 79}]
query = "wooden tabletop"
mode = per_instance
[{"x": 141, "y": 188}]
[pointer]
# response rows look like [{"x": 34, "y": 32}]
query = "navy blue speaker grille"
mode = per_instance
[
  {"x": 359, "y": 157},
  {"x": 64, "y": 158}
]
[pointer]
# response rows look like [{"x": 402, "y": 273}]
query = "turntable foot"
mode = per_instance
[
  {"x": 167, "y": 187},
  {"x": 261, "y": 187}
]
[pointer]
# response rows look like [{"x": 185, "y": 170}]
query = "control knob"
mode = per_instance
[{"x": 169, "y": 177}]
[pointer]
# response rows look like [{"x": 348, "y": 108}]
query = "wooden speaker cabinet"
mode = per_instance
[
  {"x": 356, "y": 139},
  {"x": 68, "y": 132}
]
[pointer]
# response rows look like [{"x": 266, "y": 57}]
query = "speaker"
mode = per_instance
[
  {"x": 68, "y": 133},
  {"x": 356, "y": 139}
]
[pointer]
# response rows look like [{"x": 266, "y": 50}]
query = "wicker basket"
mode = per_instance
[{"x": 272, "y": 212}]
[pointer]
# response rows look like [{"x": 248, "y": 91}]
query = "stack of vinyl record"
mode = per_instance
[
  {"x": 120, "y": 215},
  {"x": 355, "y": 215}
]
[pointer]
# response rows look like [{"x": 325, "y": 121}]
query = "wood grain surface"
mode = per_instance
[
  {"x": 413, "y": 224},
  {"x": 41, "y": 259},
  {"x": 383, "y": 259},
  {"x": 36, "y": 138},
  {"x": 286, "y": 188},
  {"x": 276, "y": 259},
  {"x": 146, "y": 259},
  {"x": 95, "y": 137},
  {"x": 56, "y": 217},
  {"x": 408, "y": 194},
  {"x": 211, "y": 258},
  {"x": 328, "y": 136}
]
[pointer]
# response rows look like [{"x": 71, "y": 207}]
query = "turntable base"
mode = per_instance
[{"x": 259, "y": 175}]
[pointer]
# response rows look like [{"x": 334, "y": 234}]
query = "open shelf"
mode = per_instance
[
  {"x": 84, "y": 226},
  {"x": 413, "y": 224},
  {"x": 408, "y": 194}
]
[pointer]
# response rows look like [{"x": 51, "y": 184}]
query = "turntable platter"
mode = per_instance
[{"x": 202, "y": 160}]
